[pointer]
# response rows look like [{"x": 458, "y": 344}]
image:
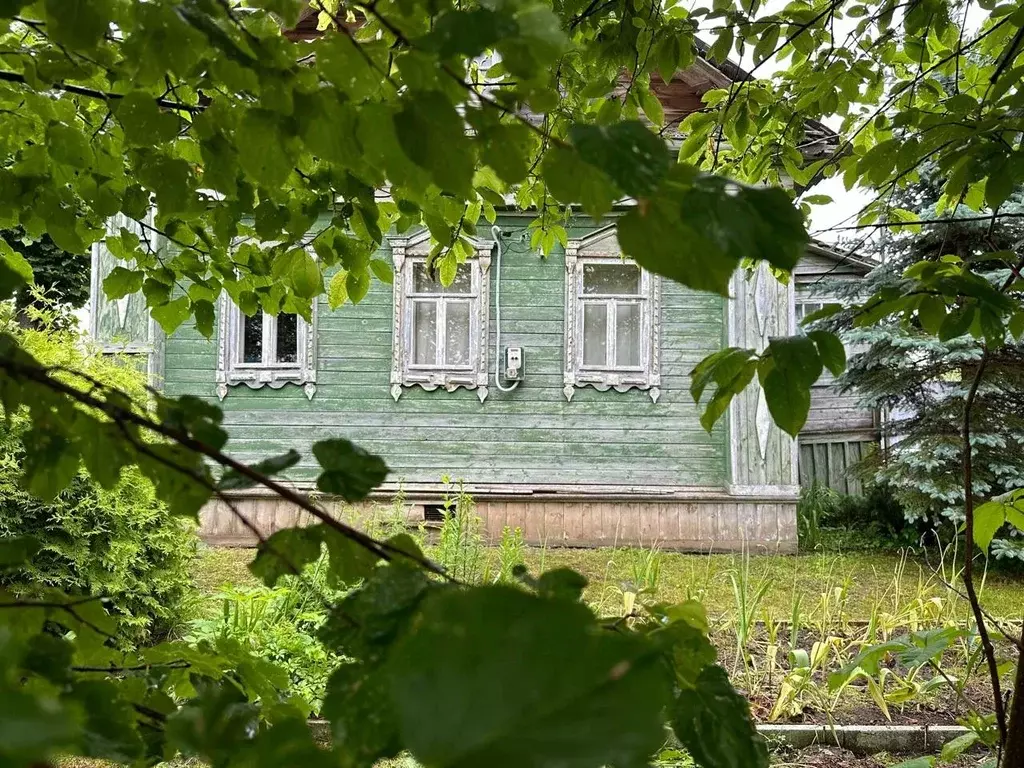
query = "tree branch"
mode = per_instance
[
  {"x": 79, "y": 90},
  {"x": 40, "y": 375}
]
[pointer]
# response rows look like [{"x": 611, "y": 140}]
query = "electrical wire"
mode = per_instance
[{"x": 496, "y": 232}]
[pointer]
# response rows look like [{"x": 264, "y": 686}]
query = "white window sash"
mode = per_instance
[
  {"x": 441, "y": 303},
  {"x": 611, "y": 324}
]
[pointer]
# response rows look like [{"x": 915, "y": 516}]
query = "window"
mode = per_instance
[
  {"x": 612, "y": 307},
  {"x": 124, "y": 325},
  {"x": 440, "y": 332},
  {"x": 264, "y": 350},
  {"x": 805, "y": 308}
]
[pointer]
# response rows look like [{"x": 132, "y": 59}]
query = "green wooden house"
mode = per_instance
[{"x": 556, "y": 389}]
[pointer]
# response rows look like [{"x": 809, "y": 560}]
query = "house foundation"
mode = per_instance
[{"x": 714, "y": 523}]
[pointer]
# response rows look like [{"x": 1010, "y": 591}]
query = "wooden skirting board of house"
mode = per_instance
[{"x": 707, "y": 525}]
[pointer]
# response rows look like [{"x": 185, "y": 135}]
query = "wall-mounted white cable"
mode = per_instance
[{"x": 496, "y": 232}]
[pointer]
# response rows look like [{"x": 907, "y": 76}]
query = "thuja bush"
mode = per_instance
[{"x": 119, "y": 543}]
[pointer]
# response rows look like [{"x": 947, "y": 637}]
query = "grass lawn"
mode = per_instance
[{"x": 857, "y": 583}]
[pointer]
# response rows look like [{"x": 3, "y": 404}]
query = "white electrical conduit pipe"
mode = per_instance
[{"x": 496, "y": 232}]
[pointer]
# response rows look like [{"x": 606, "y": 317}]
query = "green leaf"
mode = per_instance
[
  {"x": 787, "y": 375},
  {"x": 358, "y": 706},
  {"x": 432, "y": 135},
  {"x": 830, "y": 350},
  {"x": 561, "y": 583},
  {"x": 266, "y": 157},
  {"x": 931, "y": 313},
  {"x": 358, "y": 285},
  {"x": 204, "y": 313},
  {"x": 468, "y": 33},
  {"x": 286, "y": 552},
  {"x": 16, "y": 551},
  {"x": 349, "y": 471},
  {"x": 731, "y": 370},
  {"x": 68, "y": 145},
  {"x": 382, "y": 270},
  {"x": 218, "y": 720},
  {"x": 867, "y": 662},
  {"x": 788, "y": 401},
  {"x": 304, "y": 273},
  {"x": 78, "y": 24},
  {"x": 572, "y": 694},
  {"x": 286, "y": 10},
  {"x": 569, "y": 179},
  {"x": 233, "y": 480},
  {"x": 142, "y": 120},
  {"x": 11, "y": 8},
  {"x": 366, "y": 622},
  {"x": 826, "y": 311},
  {"x": 50, "y": 462},
  {"x": 337, "y": 289},
  {"x": 651, "y": 106},
  {"x": 628, "y": 153},
  {"x": 1000, "y": 184},
  {"x": 722, "y": 224},
  {"x": 110, "y": 731},
  {"x": 122, "y": 282},
  {"x": 713, "y": 723},
  {"x": 668, "y": 54},
  {"x": 172, "y": 314},
  {"x": 16, "y": 271},
  {"x": 992, "y": 515},
  {"x": 926, "y": 761},
  {"x": 952, "y": 749},
  {"x": 957, "y": 322},
  {"x": 33, "y": 728}
]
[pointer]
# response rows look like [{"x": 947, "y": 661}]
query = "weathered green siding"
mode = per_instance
[{"x": 530, "y": 436}]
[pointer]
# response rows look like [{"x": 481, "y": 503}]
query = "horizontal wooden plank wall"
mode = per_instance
[
  {"x": 527, "y": 437},
  {"x": 699, "y": 526}
]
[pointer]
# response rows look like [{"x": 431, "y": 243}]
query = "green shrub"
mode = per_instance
[
  {"x": 119, "y": 543},
  {"x": 875, "y": 519},
  {"x": 280, "y": 625}
]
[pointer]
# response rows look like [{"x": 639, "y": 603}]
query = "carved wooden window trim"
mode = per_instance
[
  {"x": 602, "y": 248},
  {"x": 406, "y": 253},
  {"x": 152, "y": 347},
  {"x": 231, "y": 371}
]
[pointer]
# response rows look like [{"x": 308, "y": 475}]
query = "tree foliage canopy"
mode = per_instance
[{"x": 402, "y": 115}]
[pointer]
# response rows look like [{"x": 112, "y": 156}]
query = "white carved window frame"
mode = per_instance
[
  {"x": 153, "y": 347},
  {"x": 233, "y": 371},
  {"x": 406, "y": 252},
  {"x": 601, "y": 247}
]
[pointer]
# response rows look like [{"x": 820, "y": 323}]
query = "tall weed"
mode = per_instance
[{"x": 460, "y": 548}]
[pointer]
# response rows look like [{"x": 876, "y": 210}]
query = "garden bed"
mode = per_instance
[{"x": 783, "y": 625}]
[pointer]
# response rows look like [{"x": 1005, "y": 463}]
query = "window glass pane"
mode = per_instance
[
  {"x": 287, "y": 338},
  {"x": 424, "y": 333},
  {"x": 457, "y": 333},
  {"x": 421, "y": 282},
  {"x": 595, "y": 339},
  {"x": 627, "y": 335},
  {"x": 252, "y": 339},
  {"x": 611, "y": 279}
]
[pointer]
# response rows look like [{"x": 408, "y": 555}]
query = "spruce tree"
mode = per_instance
[{"x": 920, "y": 382}]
